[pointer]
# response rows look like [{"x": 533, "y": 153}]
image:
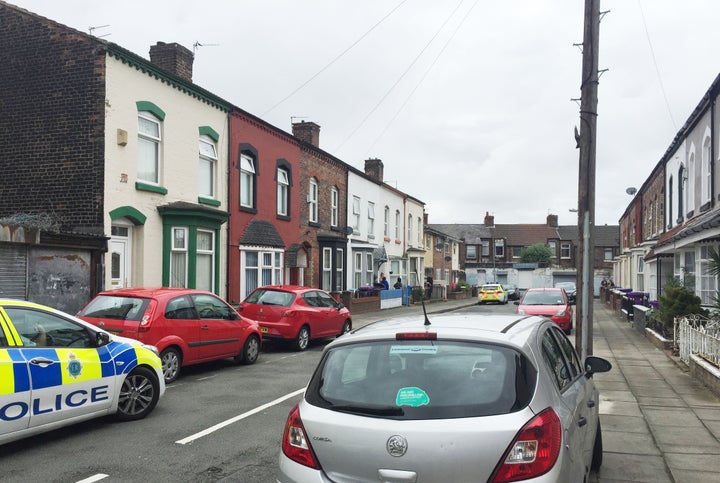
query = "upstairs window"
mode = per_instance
[
  {"x": 334, "y": 206},
  {"x": 371, "y": 219},
  {"x": 247, "y": 181},
  {"x": 471, "y": 252},
  {"x": 565, "y": 250},
  {"x": 149, "y": 139},
  {"x": 356, "y": 214},
  {"x": 283, "y": 187},
  {"x": 409, "y": 229},
  {"x": 706, "y": 171},
  {"x": 397, "y": 224},
  {"x": 312, "y": 199},
  {"x": 386, "y": 219},
  {"x": 208, "y": 163}
]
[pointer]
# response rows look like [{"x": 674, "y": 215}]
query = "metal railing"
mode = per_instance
[{"x": 698, "y": 335}]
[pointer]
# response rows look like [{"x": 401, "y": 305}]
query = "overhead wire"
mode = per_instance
[
  {"x": 417, "y": 57},
  {"x": 338, "y": 57},
  {"x": 407, "y": 99},
  {"x": 657, "y": 69}
]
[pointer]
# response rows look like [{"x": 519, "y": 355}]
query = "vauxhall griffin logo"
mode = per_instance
[{"x": 396, "y": 445}]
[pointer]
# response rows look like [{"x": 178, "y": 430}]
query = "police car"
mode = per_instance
[{"x": 57, "y": 370}]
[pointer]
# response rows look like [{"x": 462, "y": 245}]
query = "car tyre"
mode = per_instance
[
  {"x": 171, "y": 362},
  {"x": 597, "y": 455},
  {"x": 250, "y": 351},
  {"x": 303, "y": 338},
  {"x": 138, "y": 395},
  {"x": 347, "y": 327}
]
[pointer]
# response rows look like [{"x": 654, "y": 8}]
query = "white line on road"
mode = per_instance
[
  {"x": 212, "y": 429},
  {"x": 98, "y": 477}
]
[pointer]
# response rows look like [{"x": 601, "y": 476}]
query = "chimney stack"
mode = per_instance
[
  {"x": 374, "y": 169},
  {"x": 307, "y": 131},
  {"x": 173, "y": 58},
  {"x": 552, "y": 221},
  {"x": 489, "y": 219}
]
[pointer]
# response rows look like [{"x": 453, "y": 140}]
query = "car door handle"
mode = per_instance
[
  {"x": 41, "y": 361},
  {"x": 582, "y": 421},
  {"x": 204, "y": 327},
  {"x": 591, "y": 403}
]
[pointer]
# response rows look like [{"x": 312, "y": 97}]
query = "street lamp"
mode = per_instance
[{"x": 492, "y": 249}]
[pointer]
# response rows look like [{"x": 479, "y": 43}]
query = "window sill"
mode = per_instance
[
  {"x": 208, "y": 201},
  {"x": 140, "y": 186},
  {"x": 248, "y": 209},
  {"x": 283, "y": 217}
]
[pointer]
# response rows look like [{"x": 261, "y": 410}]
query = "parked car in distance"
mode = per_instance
[
  {"x": 296, "y": 314},
  {"x": 492, "y": 292},
  {"x": 56, "y": 370},
  {"x": 550, "y": 302},
  {"x": 187, "y": 326},
  {"x": 506, "y": 396},
  {"x": 513, "y": 293},
  {"x": 570, "y": 290}
]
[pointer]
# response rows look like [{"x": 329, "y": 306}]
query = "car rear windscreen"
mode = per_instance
[
  {"x": 270, "y": 297},
  {"x": 117, "y": 308},
  {"x": 423, "y": 379}
]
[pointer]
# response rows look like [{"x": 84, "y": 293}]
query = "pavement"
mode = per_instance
[{"x": 659, "y": 425}]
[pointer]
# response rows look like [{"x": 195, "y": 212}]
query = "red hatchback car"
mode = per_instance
[
  {"x": 551, "y": 302},
  {"x": 187, "y": 326},
  {"x": 297, "y": 314}
]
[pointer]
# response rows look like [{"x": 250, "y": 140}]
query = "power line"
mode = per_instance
[
  {"x": 657, "y": 70},
  {"x": 417, "y": 57},
  {"x": 334, "y": 60},
  {"x": 452, "y": 36}
]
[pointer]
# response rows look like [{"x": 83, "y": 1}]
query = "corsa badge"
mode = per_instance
[{"x": 74, "y": 367}]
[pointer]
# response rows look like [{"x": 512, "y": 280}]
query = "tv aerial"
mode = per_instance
[
  {"x": 198, "y": 44},
  {"x": 93, "y": 29}
]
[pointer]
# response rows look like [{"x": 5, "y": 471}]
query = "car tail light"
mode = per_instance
[
  {"x": 147, "y": 317},
  {"x": 288, "y": 313},
  {"x": 560, "y": 313},
  {"x": 295, "y": 444},
  {"x": 534, "y": 450},
  {"x": 416, "y": 336}
]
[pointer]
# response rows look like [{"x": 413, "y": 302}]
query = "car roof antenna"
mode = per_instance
[{"x": 427, "y": 321}]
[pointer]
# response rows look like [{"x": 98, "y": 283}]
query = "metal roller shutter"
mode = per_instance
[{"x": 13, "y": 271}]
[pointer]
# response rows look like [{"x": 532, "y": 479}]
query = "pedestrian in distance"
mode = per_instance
[
  {"x": 385, "y": 283},
  {"x": 398, "y": 284}
]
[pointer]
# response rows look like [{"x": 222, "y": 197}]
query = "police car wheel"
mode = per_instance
[
  {"x": 171, "y": 362},
  {"x": 250, "y": 351},
  {"x": 139, "y": 394}
]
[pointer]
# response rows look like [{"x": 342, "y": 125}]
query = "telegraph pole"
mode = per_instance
[{"x": 586, "y": 179}]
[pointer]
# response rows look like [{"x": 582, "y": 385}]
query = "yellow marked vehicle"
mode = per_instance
[
  {"x": 57, "y": 370},
  {"x": 492, "y": 292}
]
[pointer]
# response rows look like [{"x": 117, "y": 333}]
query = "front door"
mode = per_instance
[{"x": 120, "y": 256}]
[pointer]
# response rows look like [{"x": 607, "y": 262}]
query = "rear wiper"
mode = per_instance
[{"x": 374, "y": 410}]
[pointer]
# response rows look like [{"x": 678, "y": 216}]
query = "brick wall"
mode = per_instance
[{"x": 51, "y": 129}]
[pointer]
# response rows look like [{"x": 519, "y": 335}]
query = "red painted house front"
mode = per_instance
[{"x": 264, "y": 205}]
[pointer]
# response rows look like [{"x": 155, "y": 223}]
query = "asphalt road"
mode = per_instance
[{"x": 217, "y": 422}]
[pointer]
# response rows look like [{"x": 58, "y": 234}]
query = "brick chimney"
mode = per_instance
[
  {"x": 307, "y": 131},
  {"x": 552, "y": 221},
  {"x": 173, "y": 58},
  {"x": 489, "y": 219},
  {"x": 374, "y": 169}
]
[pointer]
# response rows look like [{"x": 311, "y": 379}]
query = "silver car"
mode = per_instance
[{"x": 467, "y": 398}]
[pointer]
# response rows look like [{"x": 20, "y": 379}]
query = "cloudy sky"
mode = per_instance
[{"x": 467, "y": 102}]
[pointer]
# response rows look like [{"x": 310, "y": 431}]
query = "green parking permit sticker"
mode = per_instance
[{"x": 412, "y": 396}]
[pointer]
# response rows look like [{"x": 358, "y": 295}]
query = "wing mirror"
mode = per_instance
[
  {"x": 102, "y": 338},
  {"x": 596, "y": 364}
]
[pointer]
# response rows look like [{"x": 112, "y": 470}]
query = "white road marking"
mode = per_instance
[
  {"x": 212, "y": 429},
  {"x": 98, "y": 477}
]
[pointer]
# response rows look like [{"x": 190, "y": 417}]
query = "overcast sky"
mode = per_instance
[{"x": 467, "y": 102}]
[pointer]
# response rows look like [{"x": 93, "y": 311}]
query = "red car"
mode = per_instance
[
  {"x": 553, "y": 303},
  {"x": 297, "y": 314},
  {"x": 187, "y": 326}
]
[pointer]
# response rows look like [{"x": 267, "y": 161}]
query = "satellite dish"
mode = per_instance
[
  {"x": 348, "y": 230},
  {"x": 631, "y": 190}
]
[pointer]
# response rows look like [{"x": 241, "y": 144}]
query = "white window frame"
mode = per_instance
[
  {"x": 409, "y": 229},
  {"x": 470, "y": 252},
  {"x": 207, "y": 168},
  {"x": 339, "y": 267},
  {"x": 283, "y": 188},
  {"x": 419, "y": 231},
  {"x": 386, "y": 220},
  {"x": 706, "y": 170},
  {"x": 371, "y": 219},
  {"x": 326, "y": 276},
  {"x": 358, "y": 270},
  {"x": 179, "y": 251},
  {"x": 397, "y": 224},
  {"x": 269, "y": 261},
  {"x": 565, "y": 247},
  {"x": 552, "y": 245},
  {"x": 708, "y": 282},
  {"x": 369, "y": 275},
  {"x": 146, "y": 173},
  {"x": 605, "y": 254},
  {"x": 356, "y": 214},
  {"x": 247, "y": 181},
  {"x": 200, "y": 253},
  {"x": 312, "y": 199},
  {"x": 334, "y": 206}
]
